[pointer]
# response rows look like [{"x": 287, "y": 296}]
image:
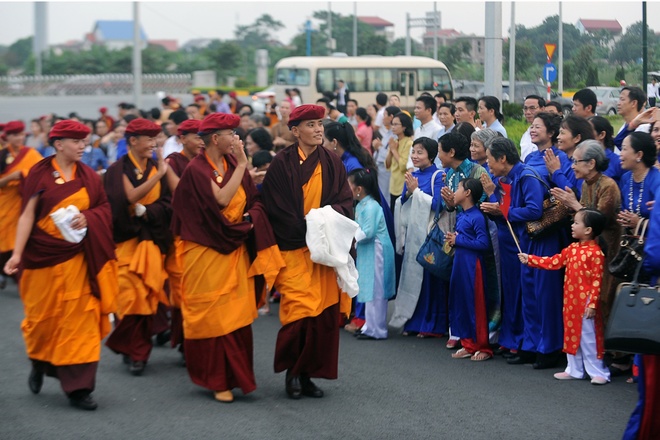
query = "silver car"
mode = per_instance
[{"x": 607, "y": 99}]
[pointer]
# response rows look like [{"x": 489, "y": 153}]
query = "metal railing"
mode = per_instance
[{"x": 106, "y": 84}]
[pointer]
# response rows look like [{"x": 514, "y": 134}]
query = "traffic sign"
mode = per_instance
[
  {"x": 550, "y": 72},
  {"x": 550, "y": 50}
]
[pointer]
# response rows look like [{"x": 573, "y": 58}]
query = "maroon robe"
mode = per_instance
[
  {"x": 178, "y": 162},
  {"x": 310, "y": 345}
]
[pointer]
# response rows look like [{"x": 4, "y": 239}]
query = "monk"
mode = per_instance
[
  {"x": 141, "y": 213},
  {"x": 301, "y": 177},
  {"x": 15, "y": 163},
  {"x": 192, "y": 144},
  {"x": 69, "y": 281},
  {"x": 229, "y": 256}
]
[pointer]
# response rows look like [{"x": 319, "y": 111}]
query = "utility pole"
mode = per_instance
[
  {"x": 40, "y": 39},
  {"x": 355, "y": 52},
  {"x": 493, "y": 59},
  {"x": 408, "y": 49},
  {"x": 137, "y": 57},
  {"x": 512, "y": 54},
  {"x": 330, "y": 47},
  {"x": 560, "y": 68},
  {"x": 435, "y": 30},
  {"x": 645, "y": 49}
]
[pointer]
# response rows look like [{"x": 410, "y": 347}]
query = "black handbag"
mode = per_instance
[
  {"x": 555, "y": 216},
  {"x": 630, "y": 254},
  {"x": 634, "y": 325},
  {"x": 435, "y": 255}
]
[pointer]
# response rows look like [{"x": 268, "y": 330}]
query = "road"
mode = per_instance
[{"x": 401, "y": 388}]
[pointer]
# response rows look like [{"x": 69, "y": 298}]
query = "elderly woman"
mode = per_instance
[
  {"x": 598, "y": 192},
  {"x": 69, "y": 281},
  {"x": 541, "y": 292},
  {"x": 478, "y": 145}
]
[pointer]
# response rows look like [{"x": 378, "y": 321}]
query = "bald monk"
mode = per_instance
[
  {"x": 192, "y": 144},
  {"x": 141, "y": 212},
  {"x": 301, "y": 177},
  {"x": 229, "y": 255},
  {"x": 15, "y": 163},
  {"x": 68, "y": 287}
]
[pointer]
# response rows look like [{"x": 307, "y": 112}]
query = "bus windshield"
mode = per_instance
[{"x": 292, "y": 77}]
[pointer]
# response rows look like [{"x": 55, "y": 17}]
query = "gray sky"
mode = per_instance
[{"x": 185, "y": 21}]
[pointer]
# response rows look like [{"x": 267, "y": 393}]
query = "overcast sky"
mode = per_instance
[{"x": 185, "y": 21}]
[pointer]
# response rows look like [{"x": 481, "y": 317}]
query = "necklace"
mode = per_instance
[
  {"x": 139, "y": 173},
  {"x": 631, "y": 206}
]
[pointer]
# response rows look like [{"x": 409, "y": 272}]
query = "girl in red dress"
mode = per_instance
[{"x": 583, "y": 327}]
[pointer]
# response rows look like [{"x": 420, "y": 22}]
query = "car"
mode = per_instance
[
  {"x": 526, "y": 88},
  {"x": 608, "y": 97},
  {"x": 467, "y": 88}
]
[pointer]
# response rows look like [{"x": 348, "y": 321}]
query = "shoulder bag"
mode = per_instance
[
  {"x": 630, "y": 253},
  {"x": 555, "y": 216}
]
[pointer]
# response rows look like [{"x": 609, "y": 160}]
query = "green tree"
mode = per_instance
[
  {"x": 227, "y": 57},
  {"x": 524, "y": 56},
  {"x": 259, "y": 34},
  {"x": 19, "y": 52},
  {"x": 629, "y": 48}
]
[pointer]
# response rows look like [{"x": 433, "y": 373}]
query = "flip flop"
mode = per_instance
[
  {"x": 461, "y": 354},
  {"x": 480, "y": 356}
]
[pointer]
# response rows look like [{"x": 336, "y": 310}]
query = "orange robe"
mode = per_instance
[
  {"x": 10, "y": 196},
  {"x": 308, "y": 288},
  {"x": 141, "y": 270}
]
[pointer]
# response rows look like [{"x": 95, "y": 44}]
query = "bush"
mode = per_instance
[
  {"x": 515, "y": 129},
  {"x": 511, "y": 110}
]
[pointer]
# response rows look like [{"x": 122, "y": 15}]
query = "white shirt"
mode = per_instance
[
  {"x": 429, "y": 130},
  {"x": 172, "y": 145},
  {"x": 652, "y": 90},
  {"x": 379, "y": 121},
  {"x": 526, "y": 145}
]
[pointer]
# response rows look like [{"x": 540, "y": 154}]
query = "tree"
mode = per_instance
[
  {"x": 259, "y": 34},
  {"x": 19, "y": 52},
  {"x": 342, "y": 32},
  {"x": 455, "y": 54},
  {"x": 524, "y": 56},
  {"x": 629, "y": 48},
  {"x": 226, "y": 56}
]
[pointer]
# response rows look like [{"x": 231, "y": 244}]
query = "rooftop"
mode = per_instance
[
  {"x": 375, "y": 21},
  {"x": 595, "y": 25},
  {"x": 117, "y": 30}
]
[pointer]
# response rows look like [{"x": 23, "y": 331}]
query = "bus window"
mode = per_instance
[
  {"x": 408, "y": 86},
  {"x": 381, "y": 80},
  {"x": 325, "y": 81},
  {"x": 358, "y": 81},
  {"x": 442, "y": 83},
  {"x": 425, "y": 79},
  {"x": 293, "y": 77}
]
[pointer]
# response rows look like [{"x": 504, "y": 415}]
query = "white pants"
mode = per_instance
[
  {"x": 375, "y": 311},
  {"x": 586, "y": 357}
]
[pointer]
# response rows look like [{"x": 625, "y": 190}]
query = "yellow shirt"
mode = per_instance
[{"x": 398, "y": 168}]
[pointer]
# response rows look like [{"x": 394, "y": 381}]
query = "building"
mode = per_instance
[
  {"x": 592, "y": 26},
  {"x": 381, "y": 27},
  {"x": 169, "y": 45},
  {"x": 114, "y": 34},
  {"x": 449, "y": 37},
  {"x": 196, "y": 44}
]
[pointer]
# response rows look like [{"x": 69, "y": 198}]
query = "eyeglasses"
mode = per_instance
[
  {"x": 575, "y": 161},
  {"x": 530, "y": 108},
  {"x": 231, "y": 133}
]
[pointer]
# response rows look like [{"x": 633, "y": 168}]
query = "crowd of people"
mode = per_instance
[{"x": 185, "y": 222}]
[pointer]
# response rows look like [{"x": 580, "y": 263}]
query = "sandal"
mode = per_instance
[
  {"x": 453, "y": 344},
  {"x": 479, "y": 356},
  {"x": 462, "y": 354}
]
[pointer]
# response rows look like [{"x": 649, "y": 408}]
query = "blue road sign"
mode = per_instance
[{"x": 550, "y": 72}]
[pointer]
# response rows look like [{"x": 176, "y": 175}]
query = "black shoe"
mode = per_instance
[
  {"x": 137, "y": 367},
  {"x": 309, "y": 389},
  {"x": 293, "y": 387},
  {"x": 509, "y": 355},
  {"x": 365, "y": 337},
  {"x": 545, "y": 361},
  {"x": 35, "y": 381},
  {"x": 522, "y": 357},
  {"x": 501, "y": 351},
  {"x": 85, "y": 402},
  {"x": 163, "y": 337}
]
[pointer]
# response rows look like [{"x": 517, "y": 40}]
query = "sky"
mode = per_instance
[{"x": 184, "y": 21}]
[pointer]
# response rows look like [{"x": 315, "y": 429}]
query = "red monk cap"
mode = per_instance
[
  {"x": 14, "y": 127},
  {"x": 189, "y": 126},
  {"x": 306, "y": 112},
  {"x": 103, "y": 110},
  {"x": 142, "y": 127},
  {"x": 2, "y": 127},
  {"x": 219, "y": 121},
  {"x": 69, "y": 129},
  {"x": 232, "y": 95},
  {"x": 200, "y": 98}
]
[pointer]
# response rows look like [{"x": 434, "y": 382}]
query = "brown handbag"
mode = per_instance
[{"x": 555, "y": 216}]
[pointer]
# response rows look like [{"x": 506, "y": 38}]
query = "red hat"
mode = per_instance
[
  {"x": 219, "y": 121},
  {"x": 103, "y": 110},
  {"x": 189, "y": 126},
  {"x": 305, "y": 113},
  {"x": 199, "y": 98},
  {"x": 2, "y": 126},
  {"x": 232, "y": 95},
  {"x": 142, "y": 127},
  {"x": 69, "y": 129},
  {"x": 14, "y": 127}
]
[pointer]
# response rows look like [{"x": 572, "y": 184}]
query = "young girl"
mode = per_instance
[
  {"x": 583, "y": 328},
  {"x": 467, "y": 302},
  {"x": 375, "y": 254}
]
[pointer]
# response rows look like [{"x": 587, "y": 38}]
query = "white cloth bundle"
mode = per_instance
[
  {"x": 62, "y": 219},
  {"x": 329, "y": 238}
]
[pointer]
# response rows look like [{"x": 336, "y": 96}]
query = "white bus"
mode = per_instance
[{"x": 365, "y": 77}]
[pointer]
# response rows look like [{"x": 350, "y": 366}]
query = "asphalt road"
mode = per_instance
[{"x": 401, "y": 388}]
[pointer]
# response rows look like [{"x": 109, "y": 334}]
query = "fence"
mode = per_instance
[{"x": 108, "y": 84}]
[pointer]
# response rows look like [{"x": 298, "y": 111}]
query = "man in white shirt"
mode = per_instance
[
  {"x": 466, "y": 110},
  {"x": 425, "y": 107},
  {"x": 341, "y": 94},
  {"x": 381, "y": 147},
  {"x": 533, "y": 104},
  {"x": 630, "y": 106},
  {"x": 381, "y": 102},
  {"x": 173, "y": 144},
  {"x": 652, "y": 92}
]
